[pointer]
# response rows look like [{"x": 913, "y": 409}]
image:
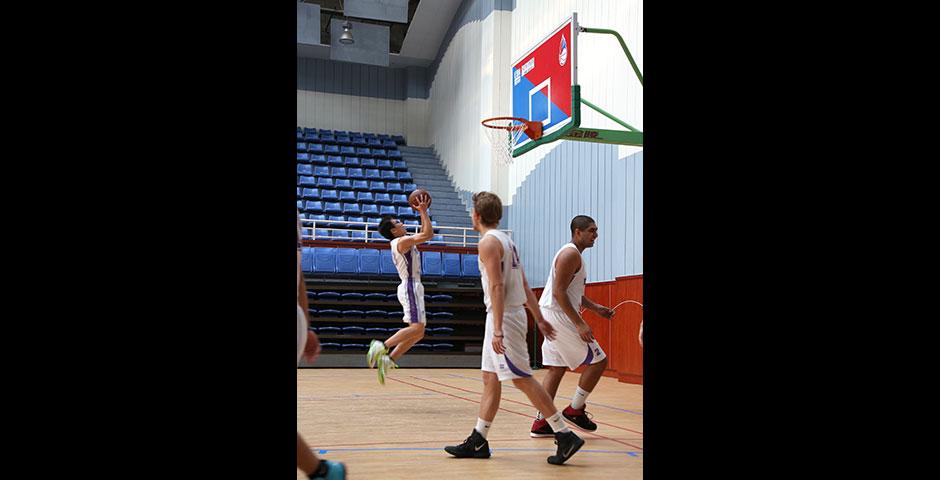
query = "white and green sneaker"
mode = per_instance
[
  {"x": 376, "y": 350},
  {"x": 385, "y": 363}
]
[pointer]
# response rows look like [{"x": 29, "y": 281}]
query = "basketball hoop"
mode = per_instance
[{"x": 504, "y": 132}]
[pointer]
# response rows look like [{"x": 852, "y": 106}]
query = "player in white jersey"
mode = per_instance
[
  {"x": 574, "y": 344},
  {"x": 407, "y": 261},
  {"x": 308, "y": 346},
  {"x": 505, "y": 356}
]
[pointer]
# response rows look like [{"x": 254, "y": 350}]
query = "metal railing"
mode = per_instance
[{"x": 457, "y": 237}]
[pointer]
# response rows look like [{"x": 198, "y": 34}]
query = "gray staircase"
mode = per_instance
[{"x": 446, "y": 209}]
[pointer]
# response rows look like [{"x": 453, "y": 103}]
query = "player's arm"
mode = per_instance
[
  {"x": 491, "y": 255},
  {"x": 596, "y": 307},
  {"x": 566, "y": 265},
  {"x": 427, "y": 231},
  {"x": 532, "y": 303}
]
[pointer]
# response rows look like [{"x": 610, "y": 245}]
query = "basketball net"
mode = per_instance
[{"x": 504, "y": 132}]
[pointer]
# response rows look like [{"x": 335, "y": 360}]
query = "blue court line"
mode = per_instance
[
  {"x": 559, "y": 396},
  {"x": 411, "y": 449}
]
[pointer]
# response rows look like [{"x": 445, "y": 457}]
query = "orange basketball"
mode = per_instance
[{"x": 413, "y": 197}]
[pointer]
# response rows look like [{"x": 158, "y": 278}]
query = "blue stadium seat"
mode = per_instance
[
  {"x": 388, "y": 143},
  {"x": 324, "y": 182},
  {"x": 327, "y": 138},
  {"x": 330, "y": 329},
  {"x": 301, "y": 147},
  {"x": 376, "y": 186},
  {"x": 303, "y": 157},
  {"x": 392, "y": 297},
  {"x": 329, "y": 295},
  {"x": 308, "y": 137},
  {"x": 376, "y": 313},
  {"x": 373, "y": 174},
  {"x": 352, "y": 296},
  {"x": 444, "y": 298},
  {"x": 342, "y": 184},
  {"x": 336, "y": 221},
  {"x": 396, "y": 314},
  {"x": 318, "y": 159},
  {"x": 451, "y": 263},
  {"x": 406, "y": 212},
  {"x": 394, "y": 155},
  {"x": 338, "y": 172},
  {"x": 329, "y": 195},
  {"x": 351, "y": 209},
  {"x": 383, "y": 164},
  {"x": 313, "y": 206},
  {"x": 357, "y": 236},
  {"x": 383, "y": 199},
  {"x": 360, "y": 185},
  {"x": 394, "y": 187},
  {"x": 439, "y": 240},
  {"x": 319, "y": 219},
  {"x": 359, "y": 142},
  {"x": 321, "y": 171},
  {"x": 471, "y": 267},
  {"x": 347, "y": 260},
  {"x": 298, "y": 193},
  {"x": 363, "y": 152},
  {"x": 374, "y": 297},
  {"x": 347, "y": 150},
  {"x": 400, "y": 200},
  {"x": 370, "y": 209},
  {"x": 369, "y": 260},
  {"x": 431, "y": 264},
  {"x": 335, "y": 161},
  {"x": 355, "y": 219},
  {"x": 329, "y": 149},
  {"x": 386, "y": 264},
  {"x": 377, "y": 331},
  {"x": 399, "y": 165},
  {"x": 377, "y": 237},
  {"x": 324, "y": 260},
  {"x": 383, "y": 136},
  {"x": 387, "y": 210},
  {"x": 421, "y": 347},
  {"x": 389, "y": 175},
  {"x": 441, "y": 315},
  {"x": 409, "y": 187},
  {"x": 347, "y": 196},
  {"x": 333, "y": 207},
  {"x": 366, "y": 163},
  {"x": 398, "y": 139},
  {"x": 306, "y": 181},
  {"x": 356, "y": 174},
  {"x": 405, "y": 177},
  {"x": 339, "y": 235},
  {"x": 353, "y": 313},
  {"x": 300, "y": 204},
  {"x": 379, "y": 153},
  {"x": 365, "y": 197},
  {"x": 340, "y": 132},
  {"x": 321, "y": 234},
  {"x": 351, "y": 162},
  {"x": 306, "y": 259},
  {"x": 315, "y": 148},
  {"x": 373, "y": 142},
  {"x": 311, "y": 193},
  {"x": 442, "y": 347}
]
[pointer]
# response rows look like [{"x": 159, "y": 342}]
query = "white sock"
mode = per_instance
[
  {"x": 539, "y": 416},
  {"x": 580, "y": 397},
  {"x": 483, "y": 427},
  {"x": 558, "y": 425}
]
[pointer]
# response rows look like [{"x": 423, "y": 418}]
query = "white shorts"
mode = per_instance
[
  {"x": 515, "y": 362},
  {"x": 567, "y": 349},
  {"x": 412, "y": 300},
  {"x": 301, "y": 332}
]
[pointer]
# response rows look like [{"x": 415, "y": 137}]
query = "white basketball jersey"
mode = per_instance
[
  {"x": 575, "y": 288},
  {"x": 512, "y": 273},
  {"x": 407, "y": 264}
]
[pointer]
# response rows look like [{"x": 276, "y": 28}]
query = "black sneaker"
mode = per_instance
[
  {"x": 579, "y": 418},
  {"x": 568, "y": 444},
  {"x": 475, "y": 446}
]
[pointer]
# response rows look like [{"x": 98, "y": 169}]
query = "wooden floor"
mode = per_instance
[{"x": 399, "y": 430}]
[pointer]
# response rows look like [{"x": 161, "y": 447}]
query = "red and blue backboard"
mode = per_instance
[{"x": 542, "y": 80}]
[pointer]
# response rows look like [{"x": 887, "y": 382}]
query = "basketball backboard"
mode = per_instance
[{"x": 542, "y": 81}]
